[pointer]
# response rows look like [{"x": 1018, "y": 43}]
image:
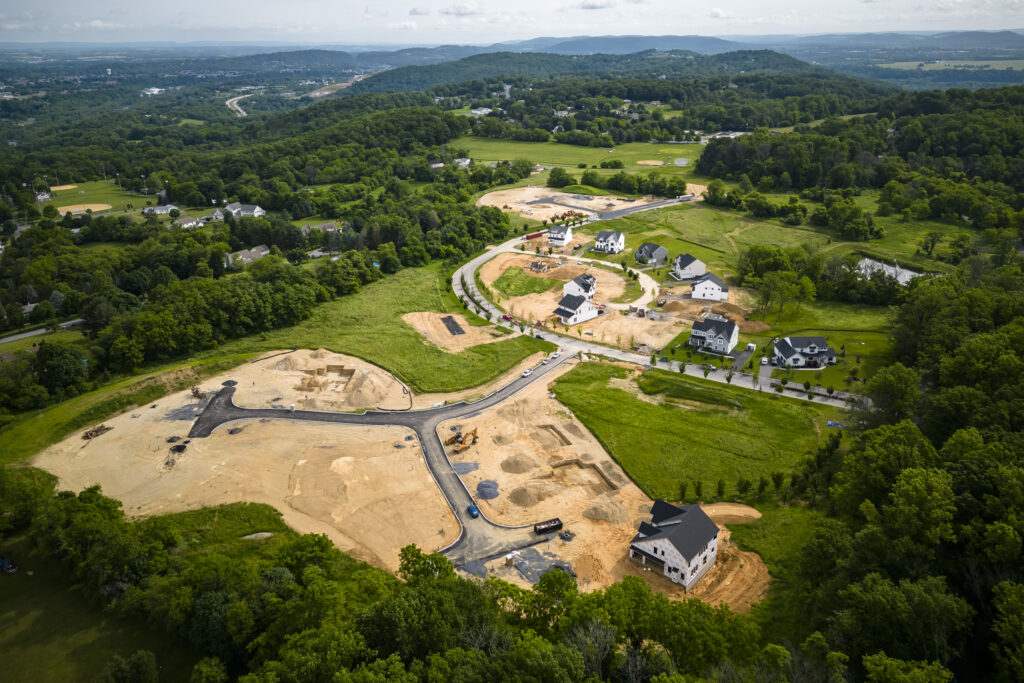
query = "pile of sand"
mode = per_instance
[
  {"x": 607, "y": 512},
  {"x": 518, "y": 463},
  {"x": 533, "y": 492}
]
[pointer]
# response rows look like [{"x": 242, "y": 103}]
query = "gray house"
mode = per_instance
[
  {"x": 715, "y": 334},
  {"x": 687, "y": 267},
  {"x": 651, "y": 254},
  {"x": 682, "y": 542},
  {"x": 804, "y": 352}
]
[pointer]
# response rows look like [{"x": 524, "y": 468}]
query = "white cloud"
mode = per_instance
[
  {"x": 419, "y": 11},
  {"x": 462, "y": 9},
  {"x": 404, "y": 25},
  {"x": 718, "y": 13},
  {"x": 596, "y": 4}
]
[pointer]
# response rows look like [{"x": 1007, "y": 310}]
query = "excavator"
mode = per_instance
[
  {"x": 460, "y": 441},
  {"x": 198, "y": 393}
]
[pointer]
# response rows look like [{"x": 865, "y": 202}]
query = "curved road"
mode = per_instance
[{"x": 480, "y": 538}]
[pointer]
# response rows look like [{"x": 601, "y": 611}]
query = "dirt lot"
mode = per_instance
[
  {"x": 367, "y": 488},
  {"x": 541, "y": 462},
  {"x": 609, "y": 284},
  {"x": 58, "y": 188},
  {"x": 515, "y": 200},
  {"x": 695, "y": 309},
  {"x": 430, "y": 325},
  {"x": 82, "y": 208}
]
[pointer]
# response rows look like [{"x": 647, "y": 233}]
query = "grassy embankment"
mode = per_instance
[
  {"x": 367, "y": 324},
  {"x": 700, "y": 432},
  {"x": 55, "y": 633}
]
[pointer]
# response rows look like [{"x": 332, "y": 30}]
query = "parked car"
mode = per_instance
[
  {"x": 544, "y": 362},
  {"x": 506, "y": 317},
  {"x": 663, "y": 359},
  {"x": 764, "y": 360},
  {"x": 527, "y": 372},
  {"x": 556, "y": 354},
  {"x": 7, "y": 566},
  {"x": 473, "y": 511}
]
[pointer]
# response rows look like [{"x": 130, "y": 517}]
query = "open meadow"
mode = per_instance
[{"x": 665, "y": 429}]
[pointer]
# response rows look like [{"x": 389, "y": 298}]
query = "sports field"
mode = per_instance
[{"x": 96, "y": 195}]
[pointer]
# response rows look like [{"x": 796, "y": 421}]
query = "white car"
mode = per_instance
[
  {"x": 556, "y": 354},
  {"x": 527, "y": 373},
  {"x": 764, "y": 360},
  {"x": 544, "y": 362}
]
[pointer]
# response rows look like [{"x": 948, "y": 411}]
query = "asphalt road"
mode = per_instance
[
  {"x": 41, "y": 330},
  {"x": 480, "y": 538}
]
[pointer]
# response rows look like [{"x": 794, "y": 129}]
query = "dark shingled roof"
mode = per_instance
[
  {"x": 804, "y": 342},
  {"x": 569, "y": 305},
  {"x": 648, "y": 249},
  {"x": 586, "y": 281},
  {"x": 684, "y": 261},
  {"x": 713, "y": 278},
  {"x": 689, "y": 529},
  {"x": 716, "y": 325},
  {"x": 607, "y": 235},
  {"x": 558, "y": 230},
  {"x": 783, "y": 348}
]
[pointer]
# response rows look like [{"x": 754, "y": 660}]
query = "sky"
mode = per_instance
[{"x": 478, "y": 21}]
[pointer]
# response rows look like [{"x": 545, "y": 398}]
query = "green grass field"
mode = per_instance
[
  {"x": 97, "y": 192},
  {"x": 62, "y": 336},
  {"x": 554, "y": 153},
  {"x": 703, "y": 432},
  {"x": 515, "y": 282},
  {"x": 50, "y": 632}
]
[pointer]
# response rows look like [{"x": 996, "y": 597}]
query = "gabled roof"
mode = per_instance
[
  {"x": 717, "y": 325},
  {"x": 586, "y": 281},
  {"x": 684, "y": 261},
  {"x": 609, "y": 235},
  {"x": 558, "y": 230},
  {"x": 648, "y": 249},
  {"x": 689, "y": 530},
  {"x": 571, "y": 303},
  {"x": 804, "y": 342},
  {"x": 712, "y": 278},
  {"x": 783, "y": 348}
]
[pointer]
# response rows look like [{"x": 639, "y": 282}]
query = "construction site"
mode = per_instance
[{"x": 530, "y": 459}]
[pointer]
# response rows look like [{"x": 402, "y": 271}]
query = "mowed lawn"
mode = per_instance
[
  {"x": 98, "y": 192},
  {"x": 369, "y": 325},
  {"x": 50, "y": 632},
  {"x": 702, "y": 432},
  {"x": 515, "y": 282}
]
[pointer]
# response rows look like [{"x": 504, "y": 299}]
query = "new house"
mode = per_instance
[
  {"x": 710, "y": 288},
  {"x": 187, "y": 222},
  {"x": 158, "y": 210},
  {"x": 650, "y": 254},
  {"x": 243, "y": 257},
  {"x": 687, "y": 267},
  {"x": 804, "y": 352},
  {"x": 573, "y": 309},
  {"x": 715, "y": 334},
  {"x": 237, "y": 210},
  {"x": 582, "y": 285},
  {"x": 681, "y": 541},
  {"x": 559, "y": 235},
  {"x": 610, "y": 242}
]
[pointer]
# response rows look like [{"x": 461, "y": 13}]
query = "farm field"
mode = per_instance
[
  {"x": 688, "y": 430},
  {"x": 53, "y": 633},
  {"x": 993, "y": 64}
]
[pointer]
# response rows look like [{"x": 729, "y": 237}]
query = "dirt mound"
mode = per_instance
[
  {"x": 731, "y": 513},
  {"x": 729, "y": 309},
  {"x": 590, "y": 569},
  {"x": 289, "y": 363},
  {"x": 517, "y": 464},
  {"x": 533, "y": 493},
  {"x": 607, "y": 512},
  {"x": 321, "y": 353},
  {"x": 754, "y": 326}
]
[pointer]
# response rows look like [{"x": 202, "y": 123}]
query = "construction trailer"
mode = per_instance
[{"x": 548, "y": 526}]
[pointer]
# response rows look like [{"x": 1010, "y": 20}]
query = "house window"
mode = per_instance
[{"x": 705, "y": 560}]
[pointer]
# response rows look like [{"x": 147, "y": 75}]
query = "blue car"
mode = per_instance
[{"x": 473, "y": 511}]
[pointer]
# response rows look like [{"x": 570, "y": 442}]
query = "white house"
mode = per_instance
[
  {"x": 687, "y": 267},
  {"x": 481, "y": 111},
  {"x": 574, "y": 309},
  {"x": 710, "y": 288},
  {"x": 584, "y": 285},
  {"x": 682, "y": 542},
  {"x": 462, "y": 162},
  {"x": 159, "y": 210},
  {"x": 42, "y": 196},
  {"x": 187, "y": 222},
  {"x": 559, "y": 235},
  {"x": 715, "y": 334},
  {"x": 804, "y": 352},
  {"x": 243, "y": 257},
  {"x": 236, "y": 210},
  {"x": 610, "y": 242},
  {"x": 650, "y": 253}
]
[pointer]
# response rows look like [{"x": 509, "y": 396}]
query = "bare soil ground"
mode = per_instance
[
  {"x": 696, "y": 309},
  {"x": 82, "y": 208},
  {"x": 609, "y": 284},
  {"x": 317, "y": 380},
  {"x": 546, "y": 464},
  {"x": 515, "y": 200},
  {"x": 650, "y": 162},
  {"x": 367, "y": 488},
  {"x": 429, "y": 325},
  {"x": 58, "y": 188}
]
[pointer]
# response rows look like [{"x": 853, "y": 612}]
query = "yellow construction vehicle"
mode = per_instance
[
  {"x": 454, "y": 438},
  {"x": 468, "y": 439},
  {"x": 198, "y": 393}
]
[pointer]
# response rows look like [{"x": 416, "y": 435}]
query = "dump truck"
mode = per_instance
[{"x": 548, "y": 526}]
